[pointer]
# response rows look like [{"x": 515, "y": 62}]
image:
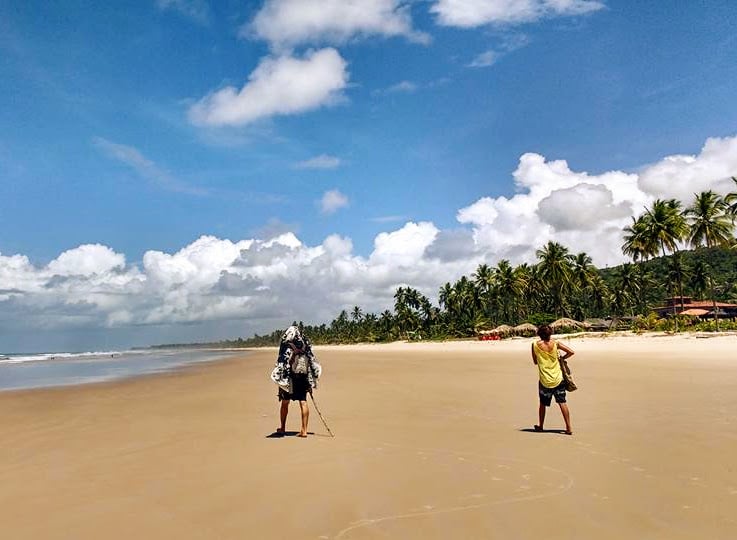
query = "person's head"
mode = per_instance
[
  {"x": 294, "y": 338},
  {"x": 290, "y": 334},
  {"x": 544, "y": 331}
]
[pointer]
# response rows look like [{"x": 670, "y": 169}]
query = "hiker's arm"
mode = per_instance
[
  {"x": 532, "y": 350},
  {"x": 566, "y": 349}
]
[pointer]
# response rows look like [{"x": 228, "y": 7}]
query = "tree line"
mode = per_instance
[{"x": 676, "y": 250}]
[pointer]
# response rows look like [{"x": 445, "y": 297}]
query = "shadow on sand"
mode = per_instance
[
  {"x": 533, "y": 430},
  {"x": 277, "y": 435}
]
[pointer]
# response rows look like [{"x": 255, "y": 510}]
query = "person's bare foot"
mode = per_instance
[
  {"x": 538, "y": 428},
  {"x": 280, "y": 430},
  {"x": 568, "y": 432},
  {"x": 302, "y": 434}
]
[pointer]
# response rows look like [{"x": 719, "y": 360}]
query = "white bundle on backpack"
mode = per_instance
[{"x": 299, "y": 365}]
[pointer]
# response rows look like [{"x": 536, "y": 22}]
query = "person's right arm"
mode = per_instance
[{"x": 532, "y": 350}]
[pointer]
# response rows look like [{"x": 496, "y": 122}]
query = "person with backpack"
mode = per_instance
[
  {"x": 296, "y": 373},
  {"x": 551, "y": 383}
]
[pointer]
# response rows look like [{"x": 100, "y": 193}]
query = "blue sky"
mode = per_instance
[{"x": 409, "y": 141}]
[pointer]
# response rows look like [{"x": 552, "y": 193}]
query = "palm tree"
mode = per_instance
[
  {"x": 665, "y": 226},
  {"x": 554, "y": 263},
  {"x": 731, "y": 200},
  {"x": 636, "y": 242},
  {"x": 507, "y": 288},
  {"x": 708, "y": 220},
  {"x": 628, "y": 282},
  {"x": 582, "y": 275},
  {"x": 700, "y": 278},
  {"x": 711, "y": 226}
]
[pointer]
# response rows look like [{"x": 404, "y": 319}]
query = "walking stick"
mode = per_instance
[{"x": 320, "y": 414}]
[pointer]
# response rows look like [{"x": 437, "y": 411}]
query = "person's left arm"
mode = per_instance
[
  {"x": 567, "y": 350},
  {"x": 532, "y": 349}
]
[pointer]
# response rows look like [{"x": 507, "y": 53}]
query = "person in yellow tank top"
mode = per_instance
[{"x": 545, "y": 356}]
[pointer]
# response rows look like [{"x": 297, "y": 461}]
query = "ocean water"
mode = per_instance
[{"x": 21, "y": 371}]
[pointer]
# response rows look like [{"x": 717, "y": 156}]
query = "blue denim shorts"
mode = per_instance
[{"x": 546, "y": 394}]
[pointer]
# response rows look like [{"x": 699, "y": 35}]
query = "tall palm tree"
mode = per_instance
[
  {"x": 731, "y": 200},
  {"x": 507, "y": 289},
  {"x": 710, "y": 226},
  {"x": 637, "y": 243},
  {"x": 700, "y": 278},
  {"x": 709, "y": 223},
  {"x": 582, "y": 276},
  {"x": 554, "y": 263},
  {"x": 483, "y": 279},
  {"x": 666, "y": 227}
]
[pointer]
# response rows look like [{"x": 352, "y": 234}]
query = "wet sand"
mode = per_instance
[{"x": 432, "y": 441}]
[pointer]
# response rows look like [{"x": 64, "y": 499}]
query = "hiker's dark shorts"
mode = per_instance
[
  {"x": 546, "y": 394},
  {"x": 300, "y": 387}
]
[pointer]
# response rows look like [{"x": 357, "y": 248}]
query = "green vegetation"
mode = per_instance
[{"x": 563, "y": 284}]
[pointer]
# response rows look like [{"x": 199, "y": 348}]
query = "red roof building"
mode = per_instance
[{"x": 699, "y": 308}]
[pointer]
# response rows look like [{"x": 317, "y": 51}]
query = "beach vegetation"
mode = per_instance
[{"x": 677, "y": 252}]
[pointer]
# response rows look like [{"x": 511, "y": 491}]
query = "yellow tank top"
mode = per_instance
[{"x": 548, "y": 366}]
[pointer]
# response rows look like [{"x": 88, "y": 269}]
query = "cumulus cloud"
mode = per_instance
[
  {"x": 283, "y": 85},
  {"x": 252, "y": 283},
  {"x": 86, "y": 260},
  {"x": 332, "y": 201},
  {"x": 473, "y": 13},
  {"x": 452, "y": 245},
  {"x": 287, "y": 23},
  {"x": 681, "y": 176},
  {"x": 323, "y": 161}
]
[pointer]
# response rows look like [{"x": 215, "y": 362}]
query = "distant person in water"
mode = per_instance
[
  {"x": 296, "y": 373},
  {"x": 551, "y": 383}
]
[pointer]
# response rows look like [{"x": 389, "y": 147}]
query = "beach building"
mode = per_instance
[{"x": 697, "y": 308}]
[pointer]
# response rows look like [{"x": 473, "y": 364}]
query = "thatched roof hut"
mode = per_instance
[
  {"x": 597, "y": 324},
  {"x": 525, "y": 329},
  {"x": 502, "y": 330},
  {"x": 566, "y": 323}
]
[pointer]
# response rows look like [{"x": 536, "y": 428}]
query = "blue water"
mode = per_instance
[{"x": 21, "y": 371}]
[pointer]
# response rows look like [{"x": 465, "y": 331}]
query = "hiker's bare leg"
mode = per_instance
[
  {"x": 566, "y": 417},
  {"x": 283, "y": 411},
  {"x": 305, "y": 410},
  {"x": 541, "y": 415}
]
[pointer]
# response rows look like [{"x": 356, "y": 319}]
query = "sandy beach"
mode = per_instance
[{"x": 432, "y": 441}]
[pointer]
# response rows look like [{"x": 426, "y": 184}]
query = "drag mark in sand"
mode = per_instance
[{"x": 522, "y": 493}]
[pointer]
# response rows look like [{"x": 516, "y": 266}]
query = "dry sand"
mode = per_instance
[{"x": 431, "y": 441}]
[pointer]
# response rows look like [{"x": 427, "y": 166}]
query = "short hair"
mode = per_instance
[{"x": 544, "y": 331}]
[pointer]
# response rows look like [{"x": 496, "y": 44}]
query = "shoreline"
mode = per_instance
[{"x": 624, "y": 341}]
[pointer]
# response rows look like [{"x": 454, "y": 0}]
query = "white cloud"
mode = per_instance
[
  {"x": 278, "y": 86},
  {"x": 388, "y": 219},
  {"x": 323, "y": 161},
  {"x": 252, "y": 283},
  {"x": 473, "y": 13},
  {"x": 197, "y": 10},
  {"x": 485, "y": 59},
  {"x": 405, "y": 246},
  {"x": 492, "y": 56},
  {"x": 287, "y": 23},
  {"x": 402, "y": 87},
  {"x": 681, "y": 176},
  {"x": 144, "y": 167},
  {"x": 332, "y": 201},
  {"x": 86, "y": 260}
]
